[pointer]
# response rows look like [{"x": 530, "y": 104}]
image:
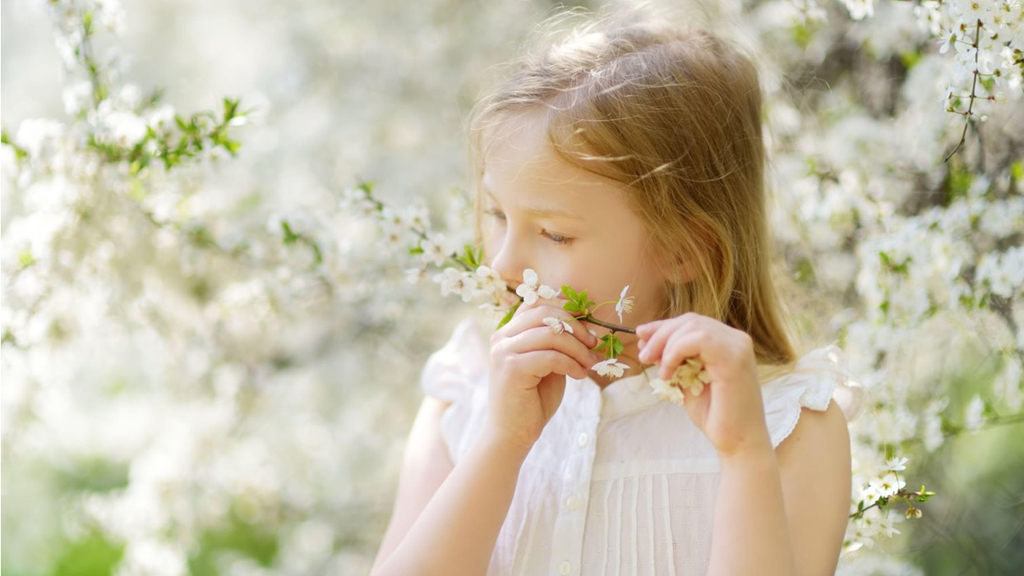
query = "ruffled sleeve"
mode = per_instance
[
  {"x": 454, "y": 373},
  {"x": 820, "y": 376}
]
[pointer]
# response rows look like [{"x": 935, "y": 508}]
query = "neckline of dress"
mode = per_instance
[
  {"x": 626, "y": 394},
  {"x": 626, "y": 381}
]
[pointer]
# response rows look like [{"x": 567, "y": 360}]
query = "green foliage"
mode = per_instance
[
  {"x": 290, "y": 236},
  {"x": 1017, "y": 171},
  {"x": 958, "y": 181},
  {"x": 910, "y": 58},
  {"x": 470, "y": 257},
  {"x": 578, "y": 301},
  {"x": 19, "y": 152},
  {"x": 93, "y": 555},
  {"x": 891, "y": 265},
  {"x": 508, "y": 316},
  {"x": 238, "y": 536},
  {"x": 611, "y": 345}
]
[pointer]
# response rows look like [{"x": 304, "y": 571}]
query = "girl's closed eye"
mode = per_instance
[{"x": 556, "y": 238}]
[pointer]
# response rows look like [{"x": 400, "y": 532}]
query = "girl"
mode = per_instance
[{"x": 628, "y": 155}]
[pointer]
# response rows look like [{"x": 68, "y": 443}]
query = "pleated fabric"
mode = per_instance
[{"x": 619, "y": 482}]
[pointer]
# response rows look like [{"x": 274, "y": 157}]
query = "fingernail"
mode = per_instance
[
  {"x": 643, "y": 355},
  {"x": 595, "y": 357}
]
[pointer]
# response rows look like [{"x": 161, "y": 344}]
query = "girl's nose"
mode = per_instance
[{"x": 508, "y": 263}]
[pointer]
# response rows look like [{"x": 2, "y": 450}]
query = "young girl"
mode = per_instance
[{"x": 628, "y": 155}]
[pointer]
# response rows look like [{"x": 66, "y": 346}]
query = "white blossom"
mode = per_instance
[
  {"x": 624, "y": 304},
  {"x": 454, "y": 281},
  {"x": 610, "y": 366},
  {"x": 557, "y": 325},
  {"x": 665, "y": 390},
  {"x": 490, "y": 283},
  {"x": 38, "y": 135},
  {"x": 529, "y": 290},
  {"x": 1008, "y": 384},
  {"x": 125, "y": 128},
  {"x": 973, "y": 416},
  {"x": 896, "y": 464},
  {"x": 436, "y": 249}
]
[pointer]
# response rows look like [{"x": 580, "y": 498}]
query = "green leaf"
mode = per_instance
[
  {"x": 1017, "y": 170},
  {"x": 572, "y": 307},
  {"x": 611, "y": 345},
  {"x": 230, "y": 108},
  {"x": 508, "y": 316},
  {"x": 289, "y": 235},
  {"x": 910, "y": 58},
  {"x": 569, "y": 292},
  {"x": 472, "y": 257}
]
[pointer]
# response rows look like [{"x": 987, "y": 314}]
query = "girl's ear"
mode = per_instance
[{"x": 671, "y": 265}]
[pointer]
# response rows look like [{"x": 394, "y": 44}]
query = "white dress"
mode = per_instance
[{"x": 619, "y": 482}]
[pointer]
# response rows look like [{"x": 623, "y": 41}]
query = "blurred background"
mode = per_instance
[{"x": 212, "y": 369}]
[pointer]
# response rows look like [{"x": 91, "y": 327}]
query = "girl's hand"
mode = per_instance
[
  {"x": 729, "y": 411},
  {"x": 528, "y": 366}
]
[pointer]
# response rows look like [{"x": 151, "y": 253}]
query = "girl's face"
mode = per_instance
[{"x": 569, "y": 225}]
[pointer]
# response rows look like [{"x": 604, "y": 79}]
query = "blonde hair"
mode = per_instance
[{"x": 674, "y": 114}]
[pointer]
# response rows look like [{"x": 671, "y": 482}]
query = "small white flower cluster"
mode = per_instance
[
  {"x": 610, "y": 367},
  {"x": 690, "y": 375},
  {"x": 481, "y": 283},
  {"x": 1003, "y": 273}
]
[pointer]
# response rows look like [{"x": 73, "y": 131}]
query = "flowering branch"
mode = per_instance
[{"x": 974, "y": 84}]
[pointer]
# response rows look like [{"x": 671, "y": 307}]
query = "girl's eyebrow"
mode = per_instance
[{"x": 542, "y": 212}]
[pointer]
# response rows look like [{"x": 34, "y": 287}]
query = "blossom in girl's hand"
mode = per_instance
[
  {"x": 624, "y": 304},
  {"x": 610, "y": 366},
  {"x": 690, "y": 375},
  {"x": 558, "y": 325},
  {"x": 529, "y": 290},
  {"x": 667, "y": 391}
]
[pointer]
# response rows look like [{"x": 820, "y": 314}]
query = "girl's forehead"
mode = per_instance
[
  {"x": 529, "y": 167},
  {"x": 519, "y": 163}
]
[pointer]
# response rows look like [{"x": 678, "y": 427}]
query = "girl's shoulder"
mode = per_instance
[
  {"x": 821, "y": 376},
  {"x": 454, "y": 369}
]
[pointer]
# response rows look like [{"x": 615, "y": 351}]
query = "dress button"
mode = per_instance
[
  {"x": 572, "y": 502},
  {"x": 565, "y": 567},
  {"x": 582, "y": 439}
]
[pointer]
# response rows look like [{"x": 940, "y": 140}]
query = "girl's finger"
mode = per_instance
[
  {"x": 541, "y": 338},
  {"x": 535, "y": 317},
  {"x": 645, "y": 330},
  {"x": 681, "y": 345},
  {"x": 544, "y": 362},
  {"x": 656, "y": 342}
]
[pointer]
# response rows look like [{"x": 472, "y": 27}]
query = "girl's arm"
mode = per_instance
[
  {"x": 784, "y": 511},
  {"x": 751, "y": 535},
  {"x": 455, "y": 534}
]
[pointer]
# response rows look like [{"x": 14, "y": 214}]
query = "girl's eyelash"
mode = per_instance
[
  {"x": 561, "y": 240},
  {"x": 557, "y": 239}
]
